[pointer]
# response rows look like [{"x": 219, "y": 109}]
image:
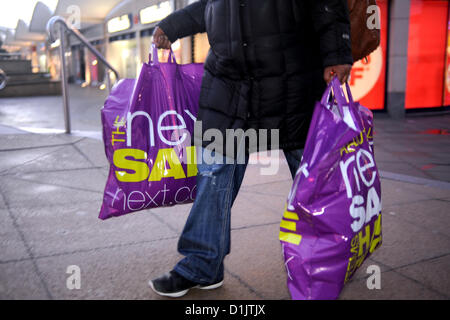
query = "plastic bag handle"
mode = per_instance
[
  {"x": 153, "y": 56},
  {"x": 334, "y": 87},
  {"x": 349, "y": 93},
  {"x": 172, "y": 57},
  {"x": 338, "y": 92}
]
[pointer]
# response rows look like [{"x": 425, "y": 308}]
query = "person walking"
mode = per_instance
[{"x": 269, "y": 62}]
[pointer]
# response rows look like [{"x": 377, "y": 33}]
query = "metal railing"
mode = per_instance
[
  {"x": 63, "y": 28},
  {"x": 3, "y": 79}
]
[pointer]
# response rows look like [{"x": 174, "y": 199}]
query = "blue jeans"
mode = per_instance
[{"x": 205, "y": 240}]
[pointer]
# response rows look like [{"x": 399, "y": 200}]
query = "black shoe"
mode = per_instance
[{"x": 174, "y": 285}]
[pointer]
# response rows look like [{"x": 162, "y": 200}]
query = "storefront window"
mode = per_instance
[
  {"x": 447, "y": 67},
  {"x": 123, "y": 55},
  {"x": 427, "y": 46},
  {"x": 201, "y": 47}
]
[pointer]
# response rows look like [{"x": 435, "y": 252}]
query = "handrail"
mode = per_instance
[
  {"x": 3, "y": 79},
  {"x": 63, "y": 28}
]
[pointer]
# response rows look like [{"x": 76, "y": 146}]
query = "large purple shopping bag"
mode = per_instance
[
  {"x": 332, "y": 221},
  {"x": 147, "y": 129}
]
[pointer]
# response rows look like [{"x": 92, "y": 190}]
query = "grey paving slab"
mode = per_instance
[
  {"x": 382, "y": 155},
  {"x": 254, "y": 176},
  {"x": 68, "y": 138},
  {"x": 175, "y": 217},
  {"x": 19, "y": 281},
  {"x": 92, "y": 179},
  {"x": 255, "y": 209},
  {"x": 232, "y": 289},
  {"x": 12, "y": 246},
  {"x": 405, "y": 243},
  {"x": 47, "y": 159},
  {"x": 433, "y": 215},
  {"x": 402, "y": 168},
  {"x": 257, "y": 259},
  {"x": 94, "y": 151},
  {"x": 397, "y": 149},
  {"x": 433, "y": 273},
  {"x": 123, "y": 273},
  {"x": 35, "y": 194},
  {"x": 394, "y": 286},
  {"x": 439, "y": 175},
  {"x": 47, "y": 111},
  {"x": 431, "y": 192},
  {"x": 277, "y": 188},
  {"x": 4, "y": 129},
  {"x": 23, "y": 141},
  {"x": 393, "y": 192},
  {"x": 116, "y": 273},
  {"x": 10, "y": 160},
  {"x": 397, "y": 192},
  {"x": 76, "y": 227},
  {"x": 2, "y": 202}
]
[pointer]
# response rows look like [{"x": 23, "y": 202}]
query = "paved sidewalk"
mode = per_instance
[{"x": 51, "y": 189}]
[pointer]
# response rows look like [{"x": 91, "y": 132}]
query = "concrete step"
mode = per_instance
[
  {"x": 11, "y": 67},
  {"x": 28, "y": 77},
  {"x": 32, "y": 88}
]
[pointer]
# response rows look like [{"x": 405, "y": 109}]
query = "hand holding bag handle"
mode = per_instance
[
  {"x": 336, "y": 91},
  {"x": 351, "y": 117},
  {"x": 153, "y": 56}
]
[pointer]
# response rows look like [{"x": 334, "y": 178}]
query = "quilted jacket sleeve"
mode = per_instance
[
  {"x": 185, "y": 22},
  {"x": 332, "y": 24}
]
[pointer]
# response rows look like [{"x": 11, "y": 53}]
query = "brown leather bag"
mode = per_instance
[{"x": 364, "y": 40}]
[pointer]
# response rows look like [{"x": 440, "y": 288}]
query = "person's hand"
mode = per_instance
[
  {"x": 160, "y": 39},
  {"x": 342, "y": 71}
]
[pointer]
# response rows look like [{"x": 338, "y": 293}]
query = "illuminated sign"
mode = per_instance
[
  {"x": 119, "y": 23},
  {"x": 447, "y": 67},
  {"x": 365, "y": 74},
  {"x": 155, "y": 13}
]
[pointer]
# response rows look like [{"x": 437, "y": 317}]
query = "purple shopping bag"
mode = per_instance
[
  {"x": 147, "y": 129},
  {"x": 332, "y": 221}
]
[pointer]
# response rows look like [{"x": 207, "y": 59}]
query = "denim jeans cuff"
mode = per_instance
[{"x": 189, "y": 275}]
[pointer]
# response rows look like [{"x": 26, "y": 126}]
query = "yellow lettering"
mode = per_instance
[
  {"x": 140, "y": 168},
  {"x": 160, "y": 170},
  {"x": 290, "y": 215},
  {"x": 376, "y": 232},
  {"x": 290, "y": 237},
  {"x": 288, "y": 225},
  {"x": 364, "y": 241}
]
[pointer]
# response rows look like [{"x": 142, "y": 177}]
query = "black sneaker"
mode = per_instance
[{"x": 174, "y": 285}]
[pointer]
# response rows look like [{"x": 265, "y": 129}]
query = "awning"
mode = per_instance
[
  {"x": 10, "y": 40},
  {"x": 41, "y": 15},
  {"x": 23, "y": 34},
  {"x": 91, "y": 11},
  {"x": 131, "y": 6}
]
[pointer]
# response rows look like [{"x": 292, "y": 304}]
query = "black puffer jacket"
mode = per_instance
[{"x": 265, "y": 66}]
